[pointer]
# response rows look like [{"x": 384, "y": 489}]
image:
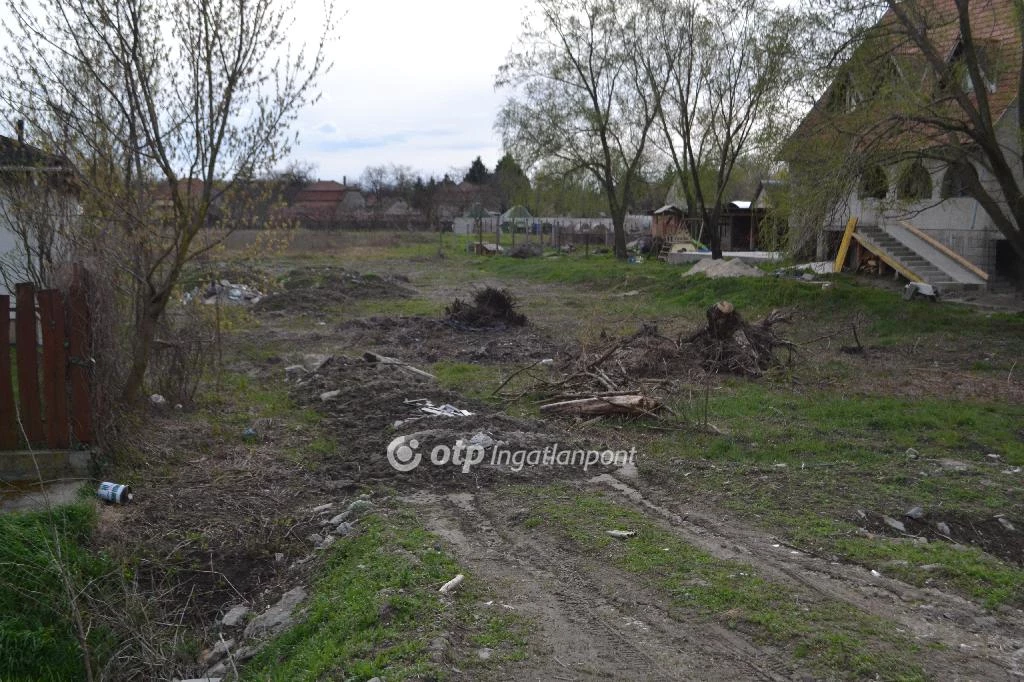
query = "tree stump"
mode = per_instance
[{"x": 723, "y": 320}]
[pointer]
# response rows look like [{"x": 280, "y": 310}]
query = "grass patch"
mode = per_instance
[
  {"x": 37, "y": 634},
  {"x": 375, "y": 610},
  {"x": 804, "y": 463},
  {"x": 475, "y": 381},
  {"x": 829, "y": 636},
  {"x": 666, "y": 293}
]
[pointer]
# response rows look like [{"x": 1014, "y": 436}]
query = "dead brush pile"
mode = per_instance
[
  {"x": 491, "y": 308},
  {"x": 622, "y": 378}
]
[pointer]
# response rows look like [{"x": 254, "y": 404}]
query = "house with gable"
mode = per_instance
[
  {"x": 38, "y": 206},
  {"x": 912, "y": 156}
]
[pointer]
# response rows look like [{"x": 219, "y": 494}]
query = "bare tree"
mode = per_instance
[
  {"x": 579, "y": 100},
  {"x": 725, "y": 68},
  {"x": 165, "y": 107}
]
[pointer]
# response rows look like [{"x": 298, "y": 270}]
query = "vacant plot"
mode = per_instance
[{"x": 852, "y": 512}]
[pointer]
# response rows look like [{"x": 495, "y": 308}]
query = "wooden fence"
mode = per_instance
[{"x": 51, "y": 368}]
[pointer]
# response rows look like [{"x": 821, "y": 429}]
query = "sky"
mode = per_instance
[{"x": 412, "y": 84}]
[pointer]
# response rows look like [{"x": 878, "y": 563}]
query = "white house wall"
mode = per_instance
[
  {"x": 8, "y": 241},
  {"x": 960, "y": 223}
]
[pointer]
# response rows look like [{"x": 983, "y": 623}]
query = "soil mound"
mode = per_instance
[
  {"x": 310, "y": 289},
  {"x": 370, "y": 406},
  {"x": 430, "y": 339}
]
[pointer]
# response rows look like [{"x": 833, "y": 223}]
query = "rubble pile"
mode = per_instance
[
  {"x": 225, "y": 292},
  {"x": 369, "y": 404}
]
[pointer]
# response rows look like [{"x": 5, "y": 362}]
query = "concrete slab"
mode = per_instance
[{"x": 33, "y": 497}]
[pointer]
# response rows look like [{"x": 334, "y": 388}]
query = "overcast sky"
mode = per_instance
[{"x": 412, "y": 84}]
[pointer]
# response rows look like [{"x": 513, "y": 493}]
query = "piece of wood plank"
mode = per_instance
[
  {"x": 844, "y": 246},
  {"x": 385, "y": 360},
  {"x": 28, "y": 363},
  {"x": 605, "y": 405},
  {"x": 8, "y": 416},
  {"x": 942, "y": 248},
  {"x": 79, "y": 361},
  {"x": 55, "y": 394}
]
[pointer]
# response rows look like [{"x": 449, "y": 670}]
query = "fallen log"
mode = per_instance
[{"x": 599, "y": 406}]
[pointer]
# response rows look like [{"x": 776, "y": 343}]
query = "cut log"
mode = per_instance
[{"x": 635, "y": 405}]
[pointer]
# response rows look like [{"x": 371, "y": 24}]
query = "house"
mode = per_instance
[
  {"x": 324, "y": 205},
  {"x": 38, "y": 204},
  {"x": 884, "y": 157}
]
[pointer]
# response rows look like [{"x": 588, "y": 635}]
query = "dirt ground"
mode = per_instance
[{"x": 590, "y": 620}]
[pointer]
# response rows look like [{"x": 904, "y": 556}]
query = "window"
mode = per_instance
[
  {"x": 844, "y": 96},
  {"x": 874, "y": 184},
  {"x": 915, "y": 183},
  {"x": 958, "y": 179},
  {"x": 957, "y": 71}
]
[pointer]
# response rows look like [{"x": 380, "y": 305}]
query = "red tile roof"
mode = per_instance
[{"x": 994, "y": 27}]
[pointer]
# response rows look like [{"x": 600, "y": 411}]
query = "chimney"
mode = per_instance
[
  {"x": 344, "y": 180},
  {"x": 20, "y": 127}
]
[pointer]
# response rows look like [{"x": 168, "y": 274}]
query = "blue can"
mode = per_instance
[{"x": 114, "y": 492}]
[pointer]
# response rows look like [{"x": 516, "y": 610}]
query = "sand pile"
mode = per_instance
[{"x": 713, "y": 269}]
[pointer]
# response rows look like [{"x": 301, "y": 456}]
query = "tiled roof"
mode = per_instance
[
  {"x": 994, "y": 29},
  {"x": 16, "y": 154}
]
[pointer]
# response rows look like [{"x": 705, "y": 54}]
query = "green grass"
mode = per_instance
[
  {"x": 766, "y": 422},
  {"x": 375, "y": 609},
  {"x": 829, "y": 636},
  {"x": 842, "y": 453},
  {"x": 665, "y": 292},
  {"x": 37, "y": 635},
  {"x": 476, "y": 381}
]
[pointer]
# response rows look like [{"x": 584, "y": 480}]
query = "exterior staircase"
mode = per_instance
[
  {"x": 911, "y": 263},
  {"x": 915, "y": 263}
]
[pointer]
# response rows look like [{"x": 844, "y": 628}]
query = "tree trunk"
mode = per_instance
[
  {"x": 619, "y": 227},
  {"x": 714, "y": 235},
  {"x": 146, "y": 330}
]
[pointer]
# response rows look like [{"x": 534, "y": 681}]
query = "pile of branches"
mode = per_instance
[
  {"x": 622, "y": 378},
  {"x": 731, "y": 345},
  {"x": 616, "y": 380},
  {"x": 490, "y": 308}
]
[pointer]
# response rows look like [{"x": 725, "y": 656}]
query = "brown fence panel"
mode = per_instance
[
  {"x": 78, "y": 349},
  {"x": 28, "y": 363},
  {"x": 55, "y": 395},
  {"x": 8, "y": 416}
]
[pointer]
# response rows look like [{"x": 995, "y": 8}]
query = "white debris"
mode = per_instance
[
  {"x": 621, "y": 533},
  {"x": 452, "y": 584}
]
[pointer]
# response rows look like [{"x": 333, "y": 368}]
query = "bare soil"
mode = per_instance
[{"x": 591, "y": 621}]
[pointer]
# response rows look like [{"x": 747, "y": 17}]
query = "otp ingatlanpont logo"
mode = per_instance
[{"x": 403, "y": 453}]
